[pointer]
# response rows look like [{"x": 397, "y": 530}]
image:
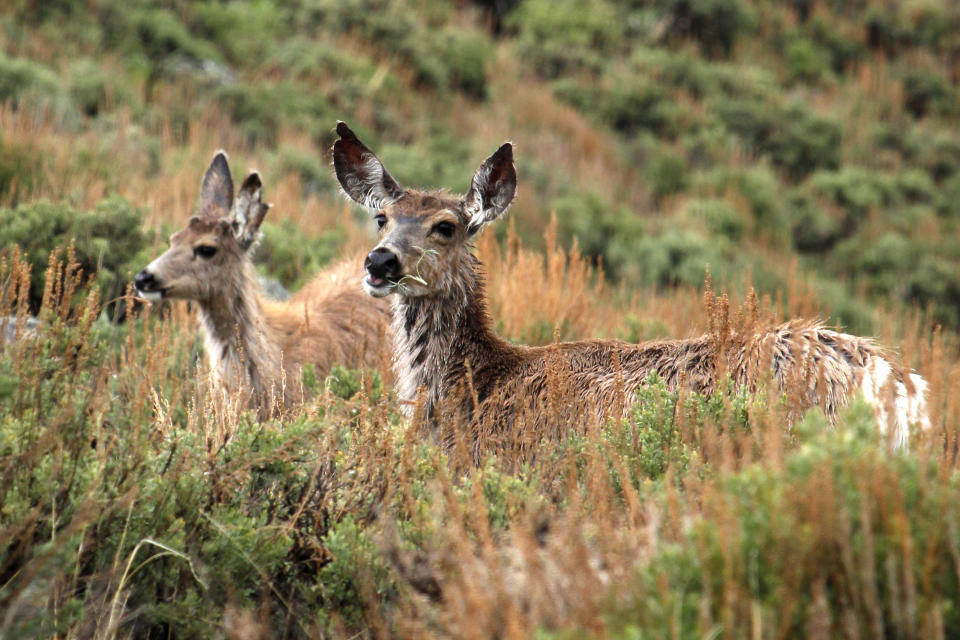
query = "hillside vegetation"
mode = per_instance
[{"x": 809, "y": 149}]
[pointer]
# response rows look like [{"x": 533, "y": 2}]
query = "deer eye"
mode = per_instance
[
  {"x": 205, "y": 251},
  {"x": 446, "y": 229},
  {"x": 381, "y": 221}
]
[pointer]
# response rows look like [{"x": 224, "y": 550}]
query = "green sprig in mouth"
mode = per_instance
[{"x": 402, "y": 285}]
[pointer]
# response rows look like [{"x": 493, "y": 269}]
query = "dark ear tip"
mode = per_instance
[
  {"x": 220, "y": 156},
  {"x": 252, "y": 181},
  {"x": 505, "y": 151},
  {"x": 344, "y": 131}
]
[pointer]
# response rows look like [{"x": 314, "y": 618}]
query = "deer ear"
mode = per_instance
[
  {"x": 249, "y": 211},
  {"x": 492, "y": 189},
  {"x": 362, "y": 176},
  {"x": 217, "y": 187}
]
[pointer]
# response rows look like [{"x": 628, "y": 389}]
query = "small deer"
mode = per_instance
[
  {"x": 449, "y": 360},
  {"x": 256, "y": 347}
]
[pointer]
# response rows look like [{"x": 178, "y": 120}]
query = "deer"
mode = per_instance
[
  {"x": 450, "y": 365},
  {"x": 257, "y": 347}
]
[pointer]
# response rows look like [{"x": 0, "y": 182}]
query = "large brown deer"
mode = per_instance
[
  {"x": 256, "y": 347},
  {"x": 446, "y": 350}
]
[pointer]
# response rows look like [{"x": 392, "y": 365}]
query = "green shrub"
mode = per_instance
[
  {"x": 259, "y": 110},
  {"x": 759, "y": 186},
  {"x": 834, "y": 204},
  {"x": 927, "y": 92},
  {"x": 676, "y": 256},
  {"x": 109, "y": 243},
  {"x": 155, "y": 32},
  {"x": 561, "y": 36},
  {"x": 603, "y": 231},
  {"x": 443, "y": 158},
  {"x": 293, "y": 257},
  {"x": 803, "y": 142},
  {"x": 391, "y": 24},
  {"x": 893, "y": 28},
  {"x": 25, "y": 80},
  {"x": 241, "y": 30},
  {"x": 354, "y": 567},
  {"x": 466, "y": 54},
  {"x": 936, "y": 280},
  {"x": 253, "y": 109},
  {"x": 814, "y": 230},
  {"x": 915, "y": 185},
  {"x": 856, "y": 190},
  {"x": 896, "y": 137},
  {"x": 948, "y": 198},
  {"x": 714, "y": 24},
  {"x": 625, "y": 102},
  {"x": 718, "y": 218},
  {"x": 881, "y": 263},
  {"x": 939, "y": 156},
  {"x": 852, "y": 313},
  {"x": 634, "y": 104},
  {"x": 806, "y": 61},
  {"x": 796, "y": 140},
  {"x": 89, "y": 87},
  {"x": 667, "y": 174},
  {"x": 886, "y": 30},
  {"x": 653, "y": 426},
  {"x": 842, "y": 50}
]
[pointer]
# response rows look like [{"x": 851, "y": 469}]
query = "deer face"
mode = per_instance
[
  {"x": 423, "y": 234},
  {"x": 203, "y": 256}
]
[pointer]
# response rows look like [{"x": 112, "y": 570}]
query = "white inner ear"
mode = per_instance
[
  {"x": 241, "y": 212},
  {"x": 474, "y": 206},
  {"x": 369, "y": 183}
]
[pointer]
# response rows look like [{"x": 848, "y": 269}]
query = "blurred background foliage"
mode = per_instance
[{"x": 668, "y": 136}]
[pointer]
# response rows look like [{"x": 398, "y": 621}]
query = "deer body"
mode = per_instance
[
  {"x": 256, "y": 347},
  {"x": 448, "y": 356}
]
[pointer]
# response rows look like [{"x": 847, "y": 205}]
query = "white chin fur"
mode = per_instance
[
  {"x": 377, "y": 291},
  {"x": 152, "y": 296}
]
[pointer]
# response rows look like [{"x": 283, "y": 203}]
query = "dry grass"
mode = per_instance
[{"x": 746, "y": 529}]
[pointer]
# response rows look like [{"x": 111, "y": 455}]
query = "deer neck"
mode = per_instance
[
  {"x": 241, "y": 350},
  {"x": 439, "y": 336}
]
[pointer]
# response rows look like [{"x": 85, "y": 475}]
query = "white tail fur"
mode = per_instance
[{"x": 895, "y": 406}]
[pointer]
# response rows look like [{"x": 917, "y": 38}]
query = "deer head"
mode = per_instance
[
  {"x": 423, "y": 234},
  {"x": 215, "y": 243}
]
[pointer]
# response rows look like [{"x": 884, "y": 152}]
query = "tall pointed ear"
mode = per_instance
[
  {"x": 249, "y": 212},
  {"x": 217, "y": 187},
  {"x": 362, "y": 176},
  {"x": 492, "y": 189}
]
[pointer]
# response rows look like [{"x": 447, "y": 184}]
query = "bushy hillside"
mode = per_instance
[
  {"x": 807, "y": 148},
  {"x": 666, "y": 135}
]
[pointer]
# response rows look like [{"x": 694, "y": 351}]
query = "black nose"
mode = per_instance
[
  {"x": 144, "y": 280},
  {"x": 382, "y": 263}
]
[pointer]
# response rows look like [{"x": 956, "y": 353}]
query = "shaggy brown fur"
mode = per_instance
[
  {"x": 257, "y": 347},
  {"x": 449, "y": 357}
]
